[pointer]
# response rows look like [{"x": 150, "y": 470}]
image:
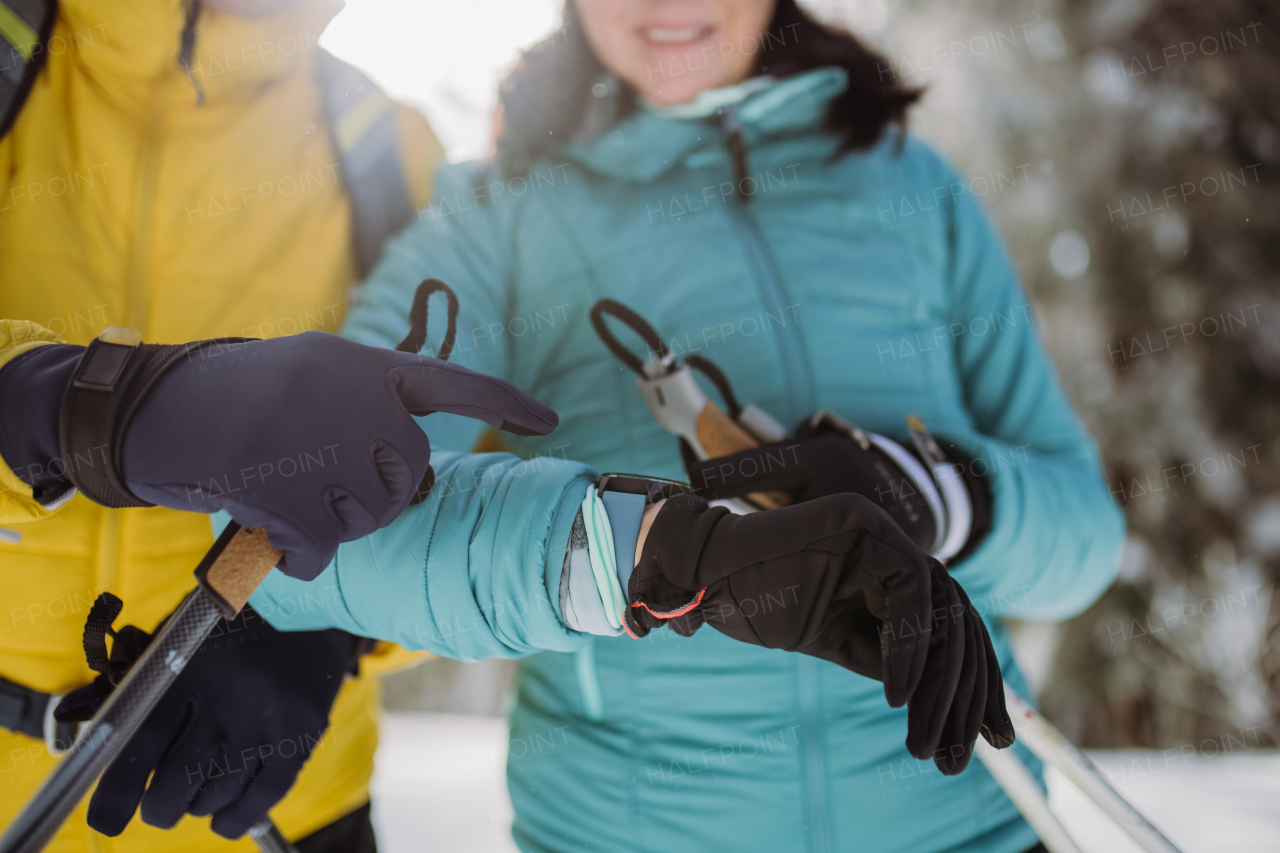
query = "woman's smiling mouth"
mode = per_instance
[{"x": 675, "y": 35}]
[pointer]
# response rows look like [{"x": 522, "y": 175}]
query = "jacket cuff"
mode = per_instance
[
  {"x": 18, "y": 502},
  {"x": 1013, "y": 572},
  {"x": 987, "y": 464},
  {"x": 32, "y": 386},
  {"x": 582, "y": 605},
  {"x": 472, "y": 572}
]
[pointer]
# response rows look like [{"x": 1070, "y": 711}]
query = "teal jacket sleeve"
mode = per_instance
[
  {"x": 456, "y": 240},
  {"x": 472, "y": 572},
  {"x": 1056, "y": 533}
]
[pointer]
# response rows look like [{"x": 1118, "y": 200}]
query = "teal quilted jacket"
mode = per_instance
[{"x": 873, "y": 285}]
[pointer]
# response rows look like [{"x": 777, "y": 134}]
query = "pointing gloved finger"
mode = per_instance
[
  {"x": 929, "y": 706},
  {"x": 430, "y": 385},
  {"x": 121, "y": 787}
]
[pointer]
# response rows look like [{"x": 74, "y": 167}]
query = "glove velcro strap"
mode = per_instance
[{"x": 108, "y": 385}]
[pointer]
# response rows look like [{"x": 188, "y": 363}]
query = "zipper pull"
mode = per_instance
[
  {"x": 731, "y": 126},
  {"x": 187, "y": 46}
]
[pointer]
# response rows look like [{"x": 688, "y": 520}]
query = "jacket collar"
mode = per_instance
[
  {"x": 654, "y": 140},
  {"x": 123, "y": 42}
]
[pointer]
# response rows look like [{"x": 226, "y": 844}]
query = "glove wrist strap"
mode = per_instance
[{"x": 109, "y": 383}]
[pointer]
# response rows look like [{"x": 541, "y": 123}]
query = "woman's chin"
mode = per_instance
[{"x": 670, "y": 93}]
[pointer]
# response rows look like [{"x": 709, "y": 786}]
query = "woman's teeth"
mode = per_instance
[{"x": 675, "y": 35}]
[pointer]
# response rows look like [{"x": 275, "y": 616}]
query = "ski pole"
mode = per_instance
[
  {"x": 227, "y": 576},
  {"x": 1020, "y": 786},
  {"x": 1053, "y": 748},
  {"x": 680, "y": 406},
  {"x": 267, "y": 836}
]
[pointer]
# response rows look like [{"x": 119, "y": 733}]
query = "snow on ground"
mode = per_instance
[
  {"x": 1224, "y": 804},
  {"x": 439, "y": 786}
]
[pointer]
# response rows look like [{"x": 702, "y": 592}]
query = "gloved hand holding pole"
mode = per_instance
[
  {"x": 228, "y": 575},
  {"x": 310, "y": 439},
  {"x": 833, "y": 576},
  {"x": 230, "y": 735}
]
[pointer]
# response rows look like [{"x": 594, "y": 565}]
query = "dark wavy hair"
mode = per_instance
[{"x": 546, "y": 99}]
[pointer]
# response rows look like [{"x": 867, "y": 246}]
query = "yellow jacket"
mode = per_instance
[{"x": 123, "y": 203}]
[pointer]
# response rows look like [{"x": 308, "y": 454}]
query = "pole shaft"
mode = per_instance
[
  {"x": 227, "y": 576},
  {"x": 117, "y": 721},
  {"x": 1052, "y": 747}
]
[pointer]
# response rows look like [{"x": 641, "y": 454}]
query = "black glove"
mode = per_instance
[
  {"x": 835, "y": 578},
  {"x": 229, "y": 736},
  {"x": 827, "y": 456},
  {"x": 309, "y": 436}
]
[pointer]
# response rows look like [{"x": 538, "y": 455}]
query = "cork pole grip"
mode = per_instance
[
  {"x": 720, "y": 436},
  {"x": 236, "y": 564}
]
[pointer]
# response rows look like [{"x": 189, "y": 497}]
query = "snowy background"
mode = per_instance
[
  {"x": 439, "y": 786},
  {"x": 1127, "y": 149}
]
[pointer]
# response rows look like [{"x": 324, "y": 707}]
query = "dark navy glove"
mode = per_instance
[
  {"x": 835, "y": 578},
  {"x": 309, "y": 436},
  {"x": 230, "y": 735},
  {"x": 31, "y": 387}
]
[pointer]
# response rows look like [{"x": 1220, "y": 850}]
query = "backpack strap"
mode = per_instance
[
  {"x": 361, "y": 118},
  {"x": 25, "y": 26}
]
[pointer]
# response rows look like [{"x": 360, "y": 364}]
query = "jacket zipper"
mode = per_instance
[
  {"x": 814, "y": 765},
  {"x": 800, "y": 391},
  {"x": 801, "y": 401},
  {"x": 800, "y": 395},
  {"x": 137, "y": 286},
  {"x": 108, "y": 550},
  {"x": 138, "y": 282}
]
